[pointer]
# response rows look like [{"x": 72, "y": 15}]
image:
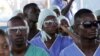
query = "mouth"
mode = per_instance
[
  {"x": 93, "y": 34},
  {"x": 19, "y": 40}
]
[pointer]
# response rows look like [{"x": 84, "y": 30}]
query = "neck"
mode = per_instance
[
  {"x": 50, "y": 41},
  {"x": 32, "y": 33},
  {"x": 19, "y": 50},
  {"x": 88, "y": 44}
]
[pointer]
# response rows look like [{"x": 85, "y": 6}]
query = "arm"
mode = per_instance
[
  {"x": 67, "y": 8},
  {"x": 74, "y": 36}
]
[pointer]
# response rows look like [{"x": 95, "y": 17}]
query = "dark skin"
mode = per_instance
[
  {"x": 65, "y": 24},
  {"x": 51, "y": 30},
  {"x": 87, "y": 36},
  {"x": 32, "y": 17},
  {"x": 65, "y": 31},
  {"x": 50, "y": 41},
  {"x": 68, "y": 32},
  {"x": 19, "y": 39},
  {"x": 67, "y": 7}
]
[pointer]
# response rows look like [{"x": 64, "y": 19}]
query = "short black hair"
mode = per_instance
[
  {"x": 29, "y": 6},
  {"x": 80, "y": 13},
  {"x": 2, "y": 33},
  {"x": 16, "y": 18}
]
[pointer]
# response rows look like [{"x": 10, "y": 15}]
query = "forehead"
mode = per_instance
[
  {"x": 63, "y": 19},
  {"x": 15, "y": 23},
  {"x": 88, "y": 17},
  {"x": 50, "y": 18}
]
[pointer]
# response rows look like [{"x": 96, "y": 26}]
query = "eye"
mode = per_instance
[
  {"x": 23, "y": 30},
  {"x": 13, "y": 30},
  {"x": 5, "y": 46}
]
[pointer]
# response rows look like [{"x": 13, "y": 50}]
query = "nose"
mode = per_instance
[{"x": 18, "y": 31}]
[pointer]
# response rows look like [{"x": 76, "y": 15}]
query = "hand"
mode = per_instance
[
  {"x": 69, "y": 0},
  {"x": 65, "y": 29}
]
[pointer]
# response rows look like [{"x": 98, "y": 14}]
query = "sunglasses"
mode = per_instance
[{"x": 90, "y": 24}]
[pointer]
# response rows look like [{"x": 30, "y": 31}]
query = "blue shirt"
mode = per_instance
[
  {"x": 97, "y": 53},
  {"x": 59, "y": 44},
  {"x": 73, "y": 50}
]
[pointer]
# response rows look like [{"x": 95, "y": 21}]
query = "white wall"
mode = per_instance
[{"x": 91, "y": 4}]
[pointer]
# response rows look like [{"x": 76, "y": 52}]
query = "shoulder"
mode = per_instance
[
  {"x": 36, "y": 51},
  {"x": 71, "y": 50}
]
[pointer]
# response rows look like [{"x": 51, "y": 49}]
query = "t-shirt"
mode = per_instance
[{"x": 35, "y": 51}]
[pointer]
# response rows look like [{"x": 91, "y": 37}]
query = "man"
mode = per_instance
[
  {"x": 85, "y": 26},
  {"x": 18, "y": 33},
  {"x": 31, "y": 12},
  {"x": 48, "y": 39},
  {"x": 4, "y": 44}
]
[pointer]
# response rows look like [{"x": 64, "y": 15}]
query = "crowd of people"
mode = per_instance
[{"x": 53, "y": 31}]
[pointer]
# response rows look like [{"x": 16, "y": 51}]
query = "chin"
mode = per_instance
[{"x": 19, "y": 45}]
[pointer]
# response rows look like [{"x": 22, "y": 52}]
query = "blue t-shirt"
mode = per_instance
[{"x": 59, "y": 44}]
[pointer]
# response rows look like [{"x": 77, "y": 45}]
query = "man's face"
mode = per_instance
[
  {"x": 17, "y": 31},
  {"x": 32, "y": 16},
  {"x": 50, "y": 24},
  {"x": 88, "y": 27}
]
